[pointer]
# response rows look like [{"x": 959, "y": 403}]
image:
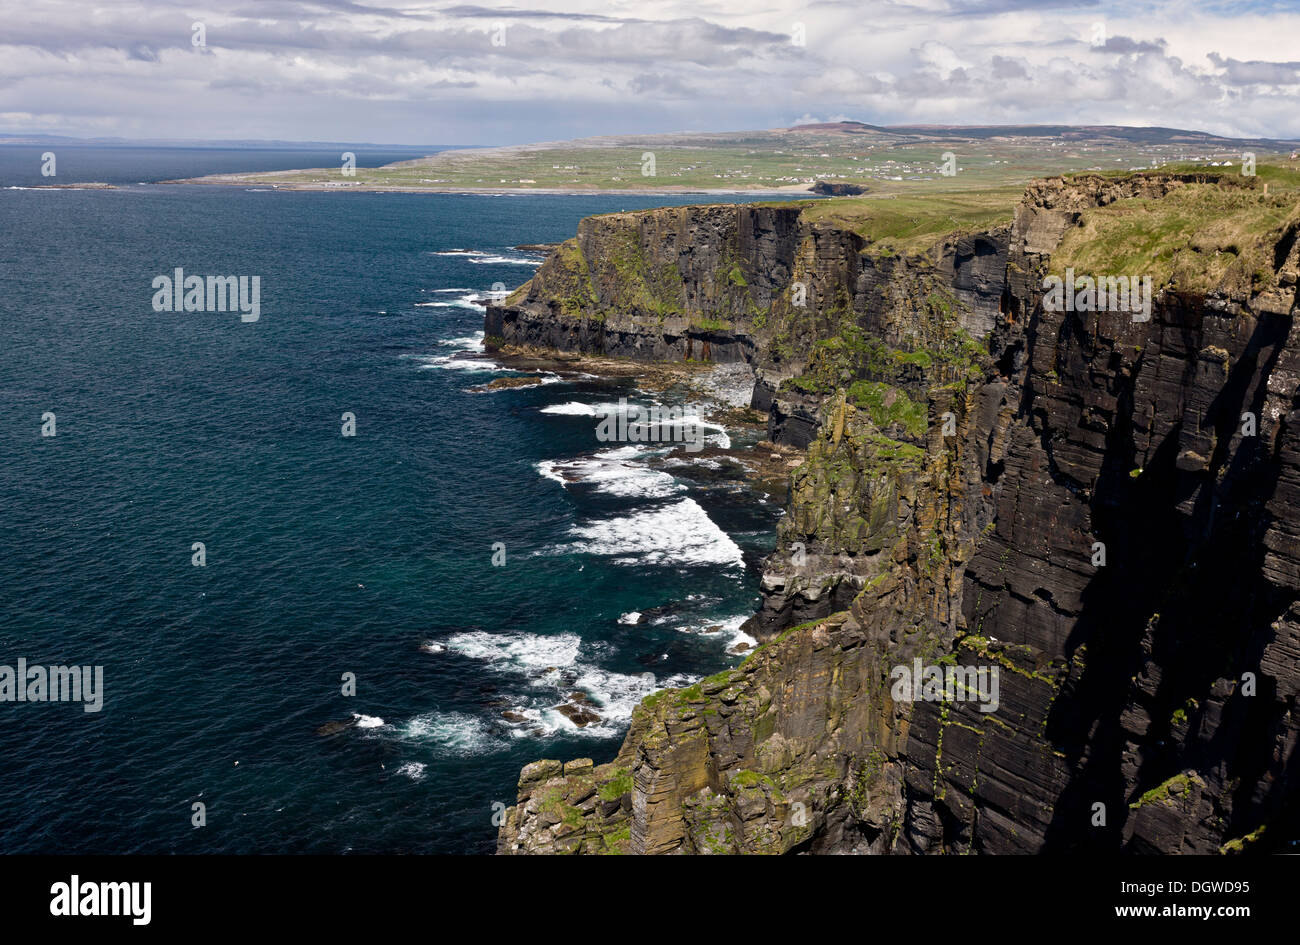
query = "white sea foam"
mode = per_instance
[
  {"x": 543, "y": 379},
  {"x": 678, "y": 462},
  {"x": 611, "y": 695},
  {"x": 413, "y": 770},
  {"x": 451, "y": 733},
  {"x": 367, "y": 721},
  {"x": 678, "y": 534},
  {"x": 505, "y": 261},
  {"x": 613, "y": 472},
  {"x": 571, "y": 409},
  {"x": 458, "y": 362},
  {"x": 730, "y": 630},
  {"x": 718, "y": 436},
  {"x": 631, "y": 617},
  {"x": 467, "y": 356},
  {"x": 472, "y": 342},
  {"x": 575, "y": 409},
  {"x": 465, "y": 301},
  {"x": 525, "y": 651},
  {"x": 545, "y": 721},
  {"x": 652, "y": 432},
  {"x": 622, "y": 452},
  {"x": 547, "y": 468},
  {"x": 485, "y": 257}
]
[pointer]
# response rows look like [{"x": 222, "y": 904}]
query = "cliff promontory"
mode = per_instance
[{"x": 1095, "y": 503}]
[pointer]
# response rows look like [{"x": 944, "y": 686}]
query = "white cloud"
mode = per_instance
[{"x": 408, "y": 71}]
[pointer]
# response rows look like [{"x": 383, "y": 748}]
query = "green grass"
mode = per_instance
[
  {"x": 911, "y": 222},
  {"x": 888, "y": 405},
  {"x": 866, "y": 357},
  {"x": 1161, "y": 792},
  {"x": 1197, "y": 237},
  {"x": 711, "y": 324},
  {"x": 617, "y": 786},
  {"x": 617, "y": 841},
  {"x": 1242, "y": 844},
  {"x": 751, "y": 779}
]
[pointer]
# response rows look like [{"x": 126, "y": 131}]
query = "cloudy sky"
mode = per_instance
[{"x": 490, "y": 72}]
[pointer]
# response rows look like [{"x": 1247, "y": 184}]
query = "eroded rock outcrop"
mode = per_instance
[{"x": 1105, "y": 508}]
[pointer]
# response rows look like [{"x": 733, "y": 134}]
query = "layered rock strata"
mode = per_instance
[{"x": 1102, "y": 507}]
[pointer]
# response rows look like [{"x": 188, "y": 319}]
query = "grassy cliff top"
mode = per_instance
[
  {"x": 1211, "y": 228},
  {"x": 1197, "y": 237},
  {"x": 912, "y": 221}
]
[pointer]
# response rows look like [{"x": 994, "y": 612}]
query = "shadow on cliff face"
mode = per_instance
[{"x": 1181, "y": 602}]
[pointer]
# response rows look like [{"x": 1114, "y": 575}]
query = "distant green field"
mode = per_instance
[{"x": 881, "y": 162}]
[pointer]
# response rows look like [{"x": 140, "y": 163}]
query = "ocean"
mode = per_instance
[{"x": 328, "y": 561}]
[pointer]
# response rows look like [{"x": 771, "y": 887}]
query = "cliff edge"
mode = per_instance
[{"x": 1093, "y": 506}]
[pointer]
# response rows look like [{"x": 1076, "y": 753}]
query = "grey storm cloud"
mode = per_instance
[
  {"x": 1126, "y": 44},
  {"x": 1256, "y": 72},
  {"x": 143, "y": 53},
  {"x": 1003, "y": 67}
]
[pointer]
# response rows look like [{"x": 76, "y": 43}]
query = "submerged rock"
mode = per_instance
[
  {"x": 507, "y": 383},
  {"x": 579, "y": 715},
  {"x": 333, "y": 728}
]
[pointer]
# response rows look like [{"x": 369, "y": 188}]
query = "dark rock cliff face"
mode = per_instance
[
  {"x": 657, "y": 285},
  {"x": 1103, "y": 509}
]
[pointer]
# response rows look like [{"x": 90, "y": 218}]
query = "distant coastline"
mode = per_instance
[
  {"x": 259, "y": 180},
  {"x": 829, "y": 159}
]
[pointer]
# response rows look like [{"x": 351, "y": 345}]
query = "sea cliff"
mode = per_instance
[{"x": 968, "y": 451}]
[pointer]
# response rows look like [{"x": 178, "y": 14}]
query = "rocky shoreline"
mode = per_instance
[{"x": 766, "y": 464}]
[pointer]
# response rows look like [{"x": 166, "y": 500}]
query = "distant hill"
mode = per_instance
[{"x": 1145, "y": 135}]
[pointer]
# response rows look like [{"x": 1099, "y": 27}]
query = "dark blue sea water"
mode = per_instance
[{"x": 325, "y": 554}]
